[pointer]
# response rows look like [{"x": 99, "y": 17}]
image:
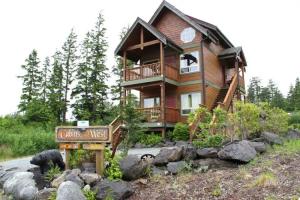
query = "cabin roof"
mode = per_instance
[
  {"x": 233, "y": 52},
  {"x": 209, "y": 30},
  {"x": 160, "y": 36}
]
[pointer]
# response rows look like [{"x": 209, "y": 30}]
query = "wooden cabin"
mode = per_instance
[{"x": 180, "y": 63}]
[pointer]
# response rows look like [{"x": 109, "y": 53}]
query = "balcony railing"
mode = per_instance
[
  {"x": 154, "y": 114},
  {"x": 149, "y": 71}
]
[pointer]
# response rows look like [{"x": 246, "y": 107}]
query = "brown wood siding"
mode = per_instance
[
  {"x": 211, "y": 95},
  {"x": 171, "y": 25}
]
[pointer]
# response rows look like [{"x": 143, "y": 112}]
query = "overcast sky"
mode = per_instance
[{"x": 268, "y": 31}]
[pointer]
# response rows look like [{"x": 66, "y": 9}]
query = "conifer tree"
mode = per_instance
[
  {"x": 69, "y": 59},
  {"x": 290, "y": 99},
  {"x": 254, "y": 90},
  {"x": 45, "y": 78},
  {"x": 99, "y": 71},
  {"x": 31, "y": 80},
  {"x": 56, "y": 87}
]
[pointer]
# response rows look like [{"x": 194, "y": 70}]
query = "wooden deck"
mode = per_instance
[{"x": 155, "y": 115}]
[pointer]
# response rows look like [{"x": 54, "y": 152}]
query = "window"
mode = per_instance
[
  {"x": 190, "y": 102},
  {"x": 151, "y": 102},
  {"x": 189, "y": 62},
  {"x": 187, "y": 35}
]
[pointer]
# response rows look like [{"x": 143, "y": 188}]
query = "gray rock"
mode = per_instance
[
  {"x": 182, "y": 143},
  {"x": 86, "y": 188},
  {"x": 75, "y": 172},
  {"x": 44, "y": 159},
  {"x": 69, "y": 191},
  {"x": 208, "y": 152},
  {"x": 189, "y": 153},
  {"x": 259, "y": 147},
  {"x": 133, "y": 167},
  {"x": 74, "y": 178},
  {"x": 4, "y": 176},
  {"x": 88, "y": 167},
  {"x": 293, "y": 134},
  {"x": 117, "y": 190},
  {"x": 159, "y": 171},
  {"x": 166, "y": 155},
  {"x": 169, "y": 144},
  {"x": 237, "y": 151},
  {"x": 21, "y": 186},
  {"x": 45, "y": 193},
  {"x": 176, "y": 167},
  {"x": 271, "y": 138},
  {"x": 59, "y": 180},
  {"x": 90, "y": 178},
  {"x": 139, "y": 145},
  {"x": 212, "y": 163}
]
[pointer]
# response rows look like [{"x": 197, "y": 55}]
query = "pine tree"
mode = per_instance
[
  {"x": 56, "y": 87},
  {"x": 264, "y": 95},
  {"x": 69, "y": 64},
  {"x": 297, "y": 94},
  {"x": 45, "y": 78},
  {"x": 82, "y": 91},
  {"x": 99, "y": 73},
  {"x": 254, "y": 90},
  {"x": 291, "y": 99},
  {"x": 31, "y": 81}
]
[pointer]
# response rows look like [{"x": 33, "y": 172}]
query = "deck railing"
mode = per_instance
[
  {"x": 150, "y": 70},
  {"x": 154, "y": 114}
]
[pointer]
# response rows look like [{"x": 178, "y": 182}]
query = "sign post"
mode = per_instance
[{"x": 86, "y": 137}]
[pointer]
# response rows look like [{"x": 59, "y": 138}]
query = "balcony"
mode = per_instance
[
  {"x": 153, "y": 115},
  {"x": 150, "y": 71}
]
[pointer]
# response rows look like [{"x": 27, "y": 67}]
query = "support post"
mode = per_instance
[
  {"x": 124, "y": 64},
  {"x": 202, "y": 73},
  {"x": 68, "y": 151},
  {"x": 163, "y": 89},
  {"x": 238, "y": 79},
  {"x": 142, "y": 38},
  {"x": 162, "y": 60},
  {"x": 100, "y": 162}
]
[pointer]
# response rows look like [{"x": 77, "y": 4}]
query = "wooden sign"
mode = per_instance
[
  {"x": 68, "y": 146},
  {"x": 93, "y": 146},
  {"x": 93, "y": 134}
]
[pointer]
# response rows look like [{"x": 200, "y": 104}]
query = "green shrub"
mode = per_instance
[
  {"x": 150, "y": 139},
  {"x": 79, "y": 156},
  {"x": 180, "y": 132},
  {"x": 89, "y": 194},
  {"x": 275, "y": 119},
  {"x": 294, "y": 118},
  {"x": 207, "y": 140},
  {"x": 52, "y": 172},
  {"x": 113, "y": 172},
  {"x": 199, "y": 111}
]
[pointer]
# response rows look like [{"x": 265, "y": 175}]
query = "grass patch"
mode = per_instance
[
  {"x": 290, "y": 147},
  {"x": 5, "y": 153},
  {"x": 217, "y": 191},
  {"x": 264, "y": 180}
]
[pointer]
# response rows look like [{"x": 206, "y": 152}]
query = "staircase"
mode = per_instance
[
  {"x": 117, "y": 125},
  {"x": 223, "y": 101}
]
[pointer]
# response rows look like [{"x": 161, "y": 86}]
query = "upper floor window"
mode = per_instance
[
  {"x": 187, "y": 35},
  {"x": 189, "y": 62}
]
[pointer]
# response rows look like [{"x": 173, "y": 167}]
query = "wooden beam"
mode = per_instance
[
  {"x": 162, "y": 60},
  {"x": 202, "y": 72},
  {"x": 137, "y": 46},
  {"x": 142, "y": 38}
]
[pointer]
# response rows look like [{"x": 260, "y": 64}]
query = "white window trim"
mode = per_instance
[
  {"x": 191, "y": 108},
  {"x": 199, "y": 68}
]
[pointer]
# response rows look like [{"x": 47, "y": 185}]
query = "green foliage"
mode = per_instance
[
  {"x": 180, "y": 132},
  {"x": 205, "y": 140},
  {"x": 89, "y": 194},
  {"x": 294, "y": 118},
  {"x": 216, "y": 191},
  {"x": 52, "y": 196},
  {"x": 113, "y": 172},
  {"x": 52, "y": 172},
  {"x": 265, "y": 179},
  {"x": 290, "y": 147},
  {"x": 79, "y": 156},
  {"x": 200, "y": 111},
  {"x": 276, "y": 119},
  {"x": 150, "y": 139}
]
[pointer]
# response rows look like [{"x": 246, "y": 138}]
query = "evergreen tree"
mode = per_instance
[
  {"x": 31, "y": 80},
  {"x": 69, "y": 65},
  {"x": 254, "y": 90},
  {"x": 278, "y": 100},
  {"x": 290, "y": 99},
  {"x": 45, "y": 78},
  {"x": 264, "y": 95},
  {"x": 82, "y": 91},
  {"x": 297, "y": 94},
  {"x": 99, "y": 72},
  {"x": 56, "y": 87}
]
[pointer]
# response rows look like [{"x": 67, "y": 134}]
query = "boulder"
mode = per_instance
[
  {"x": 238, "y": 151},
  {"x": 176, "y": 167},
  {"x": 59, "y": 180},
  {"x": 271, "y": 138},
  {"x": 182, "y": 143},
  {"x": 169, "y": 144},
  {"x": 46, "y": 158},
  {"x": 212, "y": 163},
  {"x": 74, "y": 178},
  {"x": 39, "y": 178},
  {"x": 88, "y": 167},
  {"x": 293, "y": 134},
  {"x": 69, "y": 191},
  {"x": 90, "y": 178},
  {"x": 21, "y": 186},
  {"x": 4, "y": 176},
  {"x": 159, "y": 171},
  {"x": 189, "y": 153},
  {"x": 208, "y": 152},
  {"x": 166, "y": 155},
  {"x": 139, "y": 146},
  {"x": 133, "y": 167},
  {"x": 45, "y": 193},
  {"x": 259, "y": 147},
  {"x": 113, "y": 189}
]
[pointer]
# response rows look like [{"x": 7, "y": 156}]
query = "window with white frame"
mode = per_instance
[
  {"x": 190, "y": 102},
  {"x": 151, "y": 102},
  {"x": 188, "y": 35},
  {"x": 189, "y": 62}
]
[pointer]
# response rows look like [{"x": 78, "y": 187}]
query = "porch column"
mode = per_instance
[
  {"x": 124, "y": 64},
  {"x": 238, "y": 78},
  {"x": 162, "y": 60},
  {"x": 162, "y": 108}
]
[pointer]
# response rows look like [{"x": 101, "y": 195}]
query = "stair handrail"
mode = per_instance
[{"x": 194, "y": 124}]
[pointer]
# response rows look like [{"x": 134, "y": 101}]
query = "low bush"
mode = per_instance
[
  {"x": 294, "y": 118},
  {"x": 89, "y": 194},
  {"x": 52, "y": 172},
  {"x": 180, "y": 132},
  {"x": 113, "y": 171},
  {"x": 150, "y": 139},
  {"x": 79, "y": 156},
  {"x": 208, "y": 140}
]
